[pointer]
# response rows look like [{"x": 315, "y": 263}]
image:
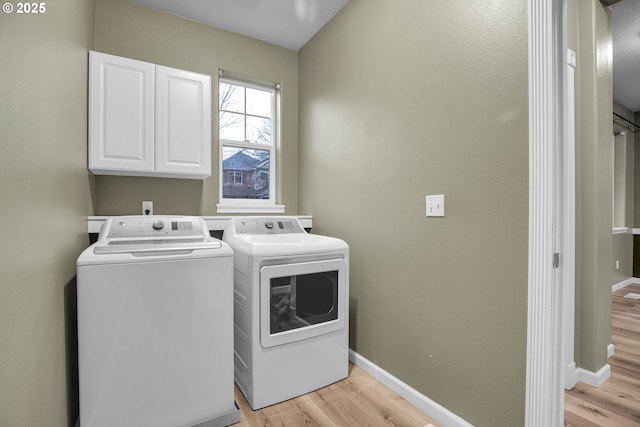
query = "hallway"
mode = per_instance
[{"x": 617, "y": 401}]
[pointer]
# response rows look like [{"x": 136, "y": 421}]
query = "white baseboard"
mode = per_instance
[
  {"x": 574, "y": 375},
  {"x": 610, "y": 350},
  {"x": 624, "y": 283},
  {"x": 419, "y": 400},
  {"x": 594, "y": 379},
  {"x": 570, "y": 376}
]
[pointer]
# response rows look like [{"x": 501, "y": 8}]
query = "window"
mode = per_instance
[
  {"x": 232, "y": 177},
  {"x": 247, "y": 135}
]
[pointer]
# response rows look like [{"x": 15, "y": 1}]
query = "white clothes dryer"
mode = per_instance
[
  {"x": 155, "y": 325},
  {"x": 291, "y": 308}
]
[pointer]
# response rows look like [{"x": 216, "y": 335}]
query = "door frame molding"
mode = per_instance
[
  {"x": 544, "y": 403},
  {"x": 568, "y": 219}
]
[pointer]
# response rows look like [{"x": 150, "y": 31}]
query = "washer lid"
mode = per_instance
[
  {"x": 153, "y": 233},
  {"x": 155, "y": 245},
  {"x": 148, "y": 237}
]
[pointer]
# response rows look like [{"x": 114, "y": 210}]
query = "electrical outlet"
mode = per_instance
[
  {"x": 617, "y": 264},
  {"x": 147, "y": 207},
  {"x": 435, "y": 205}
]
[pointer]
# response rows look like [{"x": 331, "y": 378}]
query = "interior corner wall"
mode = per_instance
[
  {"x": 133, "y": 31},
  {"x": 589, "y": 35},
  {"x": 397, "y": 103},
  {"x": 46, "y": 199}
]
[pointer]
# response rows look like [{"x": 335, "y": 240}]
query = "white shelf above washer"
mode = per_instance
[{"x": 216, "y": 222}]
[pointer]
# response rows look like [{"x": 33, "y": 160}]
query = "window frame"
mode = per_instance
[{"x": 229, "y": 205}]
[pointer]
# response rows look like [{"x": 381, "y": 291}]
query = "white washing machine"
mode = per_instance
[
  {"x": 291, "y": 308},
  {"x": 155, "y": 325}
]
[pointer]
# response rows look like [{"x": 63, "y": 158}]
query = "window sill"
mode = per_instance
[
  {"x": 248, "y": 209},
  {"x": 620, "y": 230}
]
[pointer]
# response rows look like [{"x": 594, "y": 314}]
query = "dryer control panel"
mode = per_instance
[{"x": 267, "y": 225}]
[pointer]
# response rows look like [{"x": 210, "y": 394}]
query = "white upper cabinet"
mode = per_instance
[
  {"x": 183, "y": 122},
  {"x": 121, "y": 115},
  {"x": 148, "y": 120}
]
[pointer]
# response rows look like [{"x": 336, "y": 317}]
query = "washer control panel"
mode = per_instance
[
  {"x": 268, "y": 225},
  {"x": 153, "y": 226}
]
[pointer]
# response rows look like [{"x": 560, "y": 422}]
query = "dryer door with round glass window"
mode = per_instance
[{"x": 302, "y": 300}]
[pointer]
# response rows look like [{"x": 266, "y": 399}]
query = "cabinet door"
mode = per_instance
[
  {"x": 183, "y": 123},
  {"x": 121, "y": 115}
]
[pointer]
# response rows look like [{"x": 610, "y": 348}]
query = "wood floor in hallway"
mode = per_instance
[
  {"x": 617, "y": 401},
  {"x": 358, "y": 400}
]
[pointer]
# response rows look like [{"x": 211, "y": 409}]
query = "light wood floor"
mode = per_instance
[
  {"x": 358, "y": 400},
  {"x": 617, "y": 401}
]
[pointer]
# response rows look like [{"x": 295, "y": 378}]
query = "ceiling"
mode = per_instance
[
  {"x": 626, "y": 54},
  {"x": 286, "y": 23},
  {"x": 291, "y": 23}
]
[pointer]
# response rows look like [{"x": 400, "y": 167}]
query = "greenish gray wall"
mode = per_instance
[
  {"x": 397, "y": 103},
  {"x": 44, "y": 185},
  {"x": 622, "y": 252},
  {"x": 137, "y": 32},
  {"x": 589, "y": 35}
]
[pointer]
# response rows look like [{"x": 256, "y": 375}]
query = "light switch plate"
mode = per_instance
[{"x": 435, "y": 205}]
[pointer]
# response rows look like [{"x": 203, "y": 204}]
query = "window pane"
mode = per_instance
[
  {"x": 259, "y": 102},
  {"x": 231, "y": 126},
  {"x": 231, "y": 97},
  {"x": 259, "y": 130},
  {"x": 245, "y": 173}
]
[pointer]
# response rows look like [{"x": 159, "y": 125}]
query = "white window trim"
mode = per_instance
[
  {"x": 234, "y": 209},
  {"x": 227, "y": 206},
  {"x": 621, "y": 230}
]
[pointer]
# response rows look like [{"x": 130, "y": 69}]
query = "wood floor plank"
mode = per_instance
[
  {"x": 624, "y": 386},
  {"x": 387, "y": 407},
  {"x": 604, "y": 400},
  {"x": 358, "y": 400},
  {"x": 571, "y": 419},
  {"x": 617, "y": 401},
  {"x": 340, "y": 408},
  {"x": 596, "y": 413}
]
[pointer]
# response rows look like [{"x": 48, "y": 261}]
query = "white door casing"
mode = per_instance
[
  {"x": 569, "y": 230},
  {"x": 544, "y": 404}
]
